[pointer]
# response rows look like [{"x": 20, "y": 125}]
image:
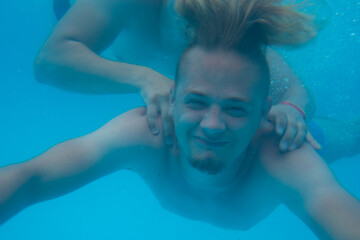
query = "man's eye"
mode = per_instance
[
  {"x": 236, "y": 111},
  {"x": 195, "y": 104}
]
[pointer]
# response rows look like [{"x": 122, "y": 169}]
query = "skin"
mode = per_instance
[
  {"x": 224, "y": 169},
  {"x": 70, "y": 59}
]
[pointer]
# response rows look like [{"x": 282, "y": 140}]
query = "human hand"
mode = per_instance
[
  {"x": 155, "y": 91},
  {"x": 291, "y": 127}
]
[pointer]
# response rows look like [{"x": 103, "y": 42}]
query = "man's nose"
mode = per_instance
[{"x": 213, "y": 123}]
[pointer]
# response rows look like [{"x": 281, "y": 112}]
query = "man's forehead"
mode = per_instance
[
  {"x": 217, "y": 59},
  {"x": 228, "y": 66},
  {"x": 224, "y": 69},
  {"x": 228, "y": 97}
]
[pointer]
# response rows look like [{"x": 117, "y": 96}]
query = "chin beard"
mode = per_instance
[{"x": 208, "y": 165}]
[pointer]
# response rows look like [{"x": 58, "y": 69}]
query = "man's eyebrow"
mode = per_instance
[
  {"x": 230, "y": 99},
  {"x": 194, "y": 92},
  {"x": 239, "y": 99}
]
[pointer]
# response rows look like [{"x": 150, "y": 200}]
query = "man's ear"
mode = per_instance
[{"x": 265, "y": 111}]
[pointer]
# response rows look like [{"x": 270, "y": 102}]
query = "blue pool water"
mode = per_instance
[{"x": 34, "y": 117}]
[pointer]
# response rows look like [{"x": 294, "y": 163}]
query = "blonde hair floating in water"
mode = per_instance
[{"x": 251, "y": 24}]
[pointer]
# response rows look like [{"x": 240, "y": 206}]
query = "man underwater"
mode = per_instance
[{"x": 225, "y": 167}]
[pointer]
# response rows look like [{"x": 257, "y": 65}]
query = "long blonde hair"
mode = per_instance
[{"x": 245, "y": 24}]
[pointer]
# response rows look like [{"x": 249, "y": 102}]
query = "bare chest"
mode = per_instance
[{"x": 241, "y": 208}]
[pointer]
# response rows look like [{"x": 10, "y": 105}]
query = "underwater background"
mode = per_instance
[{"x": 34, "y": 117}]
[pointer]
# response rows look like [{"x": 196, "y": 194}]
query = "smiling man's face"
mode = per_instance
[{"x": 217, "y": 107}]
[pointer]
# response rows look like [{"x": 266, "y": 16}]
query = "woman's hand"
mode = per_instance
[
  {"x": 155, "y": 91},
  {"x": 291, "y": 127}
]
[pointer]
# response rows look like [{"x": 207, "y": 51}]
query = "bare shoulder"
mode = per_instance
[
  {"x": 127, "y": 140},
  {"x": 305, "y": 156},
  {"x": 302, "y": 170},
  {"x": 130, "y": 129}
]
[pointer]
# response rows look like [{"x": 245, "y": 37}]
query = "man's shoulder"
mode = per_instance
[
  {"x": 127, "y": 138},
  {"x": 300, "y": 169},
  {"x": 132, "y": 129},
  {"x": 269, "y": 154}
]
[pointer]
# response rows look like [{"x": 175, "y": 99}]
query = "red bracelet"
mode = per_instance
[{"x": 296, "y": 107}]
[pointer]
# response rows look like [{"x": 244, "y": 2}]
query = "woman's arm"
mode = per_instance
[
  {"x": 70, "y": 59},
  {"x": 292, "y": 103},
  {"x": 286, "y": 86}
]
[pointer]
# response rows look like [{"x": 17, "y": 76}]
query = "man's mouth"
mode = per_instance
[{"x": 203, "y": 142}]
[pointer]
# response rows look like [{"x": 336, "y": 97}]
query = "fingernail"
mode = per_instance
[
  {"x": 154, "y": 130},
  {"x": 280, "y": 130}
]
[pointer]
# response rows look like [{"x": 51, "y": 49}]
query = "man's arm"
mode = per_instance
[
  {"x": 331, "y": 212},
  {"x": 309, "y": 189},
  {"x": 323, "y": 204},
  {"x": 124, "y": 142}
]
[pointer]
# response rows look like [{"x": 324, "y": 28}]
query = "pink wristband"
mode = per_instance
[{"x": 296, "y": 107}]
